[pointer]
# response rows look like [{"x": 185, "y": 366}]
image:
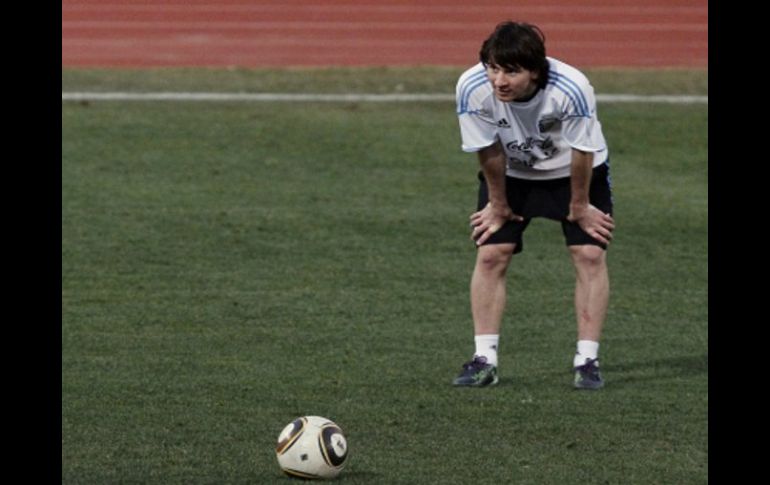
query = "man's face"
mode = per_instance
[{"x": 511, "y": 85}]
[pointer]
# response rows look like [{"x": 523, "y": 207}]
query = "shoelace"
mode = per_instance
[
  {"x": 589, "y": 367},
  {"x": 476, "y": 363}
]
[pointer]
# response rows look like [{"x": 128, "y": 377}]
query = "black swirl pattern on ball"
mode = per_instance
[{"x": 325, "y": 442}]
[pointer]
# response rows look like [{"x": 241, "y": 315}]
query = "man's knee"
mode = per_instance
[
  {"x": 494, "y": 257},
  {"x": 588, "y": 257}
]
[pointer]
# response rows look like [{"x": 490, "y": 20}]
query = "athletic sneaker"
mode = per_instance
[
  {"x": 477, "y": 373},
  {"x": 587, "y": 376}
]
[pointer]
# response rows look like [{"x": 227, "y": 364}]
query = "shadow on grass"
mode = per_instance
[
  {"x": 622, "y": 373},
  {"x": 345, "y": 476},
  {"x": 616, "y": 373}
]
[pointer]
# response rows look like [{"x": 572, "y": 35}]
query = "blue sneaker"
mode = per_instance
[
  {"x": 477, "y": 373},
  {"x": 587, "y": 376}
]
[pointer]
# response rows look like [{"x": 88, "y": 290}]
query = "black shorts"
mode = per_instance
[{"x": 549, "y": 199}]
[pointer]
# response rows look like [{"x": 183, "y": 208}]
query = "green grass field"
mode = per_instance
[{"x": 227, "y": 267}]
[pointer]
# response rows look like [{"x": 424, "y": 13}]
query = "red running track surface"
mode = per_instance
[{"x": 277, "y": 33}]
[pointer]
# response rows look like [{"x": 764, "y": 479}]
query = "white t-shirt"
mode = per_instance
[{"x": 537, "y": 135}]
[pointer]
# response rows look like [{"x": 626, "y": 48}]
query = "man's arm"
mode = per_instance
[
  {"x": 597, "y": 224},
  {"x": 497, "y": 212}
]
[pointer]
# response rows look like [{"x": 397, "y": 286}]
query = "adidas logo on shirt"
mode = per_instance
[{"x": 503, "y": 123}]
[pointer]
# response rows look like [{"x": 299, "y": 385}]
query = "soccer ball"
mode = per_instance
[{"x": 311, "y": 447}]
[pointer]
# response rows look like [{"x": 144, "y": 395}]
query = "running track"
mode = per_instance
[{"x": 278, "y": 33}]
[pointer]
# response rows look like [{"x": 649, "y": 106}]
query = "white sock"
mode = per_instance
[
  {"x": 586, "y": 349},
  {"x": 486, "y": 346}
]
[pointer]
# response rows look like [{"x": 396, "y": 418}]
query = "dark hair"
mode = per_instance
[{"x": 517, "y": 45}]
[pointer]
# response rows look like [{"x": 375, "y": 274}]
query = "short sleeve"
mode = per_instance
[
  {"x": 580, "y": 127},
  {"x": 477, "y": 127},
  {"x": 476, "y": 132},
  {"x": 584, "y": 133}
]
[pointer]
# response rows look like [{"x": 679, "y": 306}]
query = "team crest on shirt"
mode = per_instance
[{"x": 546, "y": 124}]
